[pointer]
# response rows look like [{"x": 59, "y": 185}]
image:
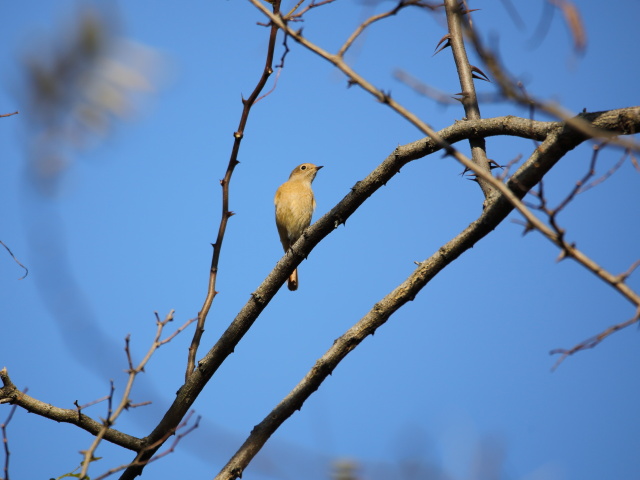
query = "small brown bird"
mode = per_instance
[{"x": 294, "y": 206}]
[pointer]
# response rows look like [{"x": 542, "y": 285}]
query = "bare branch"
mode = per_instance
[
  {"x": 125, "y": 400},
  {"x": 226, "y": 213},
  {"x": 593, "y": 341},
  {"x": 10, "y": 394}
]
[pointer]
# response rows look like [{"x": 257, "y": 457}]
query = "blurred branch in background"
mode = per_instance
[{"x": 77, "y": 86}]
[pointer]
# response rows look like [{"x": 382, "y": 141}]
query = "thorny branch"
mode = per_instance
[
  {"x": 226, "y": 213},
  {"x": 455, "y": 17}
]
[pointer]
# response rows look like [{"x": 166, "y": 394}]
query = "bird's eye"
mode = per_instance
[{"x": 303, "y": 167}]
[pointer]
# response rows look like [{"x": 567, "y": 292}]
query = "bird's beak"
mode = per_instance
[{"x": 319, "y": 167}]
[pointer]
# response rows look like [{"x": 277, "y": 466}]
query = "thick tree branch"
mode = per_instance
[{"x": 9, "y": 393}]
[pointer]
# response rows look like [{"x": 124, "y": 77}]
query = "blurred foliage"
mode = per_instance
[{"x": 77, "y": 84}]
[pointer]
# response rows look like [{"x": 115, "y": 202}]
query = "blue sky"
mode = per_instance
[{"x": 463, "y": 367}]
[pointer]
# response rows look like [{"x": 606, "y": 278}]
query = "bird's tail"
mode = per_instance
[{"x": 293, "y": 281}]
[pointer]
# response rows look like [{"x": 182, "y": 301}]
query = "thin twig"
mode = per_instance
[
  {"x": 361, "y": 28},
  {"x": 580, "y": 183},
  {"x": 593, "y": 341},
  {"x": 5, "y": 438},
  {"x": 313, "y": 4},
  {"x": 26, "y": 270},
  {"x": 608, "y": 173}
]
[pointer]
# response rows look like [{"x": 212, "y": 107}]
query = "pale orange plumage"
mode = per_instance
[{"x": 294, "y": 207}]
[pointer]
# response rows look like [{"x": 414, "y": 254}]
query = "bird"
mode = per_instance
[{"x": 295, "y": 204}]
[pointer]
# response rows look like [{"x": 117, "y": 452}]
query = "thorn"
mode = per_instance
[
  {"x": 257, "y": 297},
  {"x": 446, "y": 39},
  {"x": 448, "y": 151},
  {"x": 564, "y": 253},
  {"x": 462, "y": 97},
  {"x": 480, "y": 74},
  {"x": 230, "y": 214},
  {"x": 528, "y": 228}
]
